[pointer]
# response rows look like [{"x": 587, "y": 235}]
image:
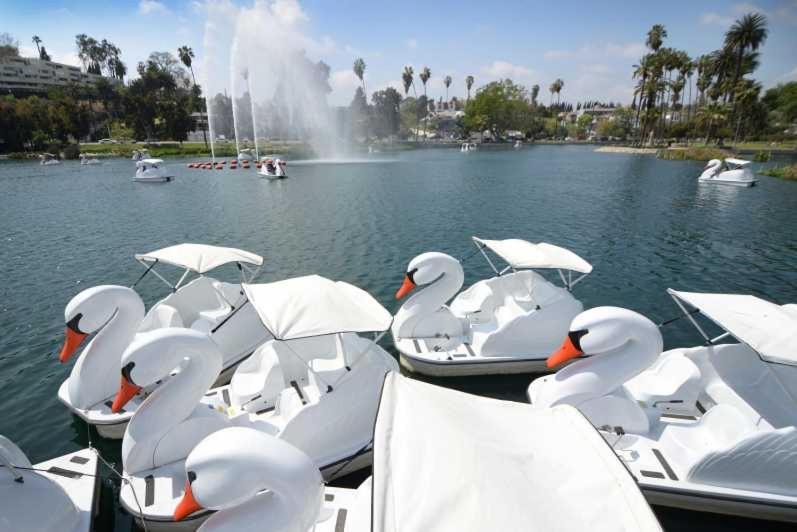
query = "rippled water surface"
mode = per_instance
[{"x": 644, "y": 224}]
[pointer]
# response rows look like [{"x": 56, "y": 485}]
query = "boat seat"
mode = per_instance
[
  {"x": 720, "y": 427},
  {"x": 162, "y": 315},
  {"x": 260, "y": 374},
  {"x": 673, "y": 377}
]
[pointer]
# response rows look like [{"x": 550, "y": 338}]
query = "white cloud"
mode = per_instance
[
  {"x": 148, "y": 7},
  {"x": 504, "y": 69},
  {"x": 289, "y": 11},
  {"x": 412, "y": 44},
  {"x": 716, "y": 18}
]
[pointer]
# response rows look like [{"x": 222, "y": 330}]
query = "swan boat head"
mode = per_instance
[
  {"x": 711, "y": 169},
  {"x": 229, "y": 470},
  {"x": 91, "y": 310},
  {"x": 442, "y": 276}
]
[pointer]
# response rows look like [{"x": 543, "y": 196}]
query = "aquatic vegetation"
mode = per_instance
[
  {"x": 783, "y": 172},
  {"x": 692, "y": 154}
]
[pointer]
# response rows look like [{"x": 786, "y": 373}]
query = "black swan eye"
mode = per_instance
[
  {"x": 191, "y": 477},
  {"x": 73, "y": 324},
  {"x": 575, "y": 337},
  {"x": 126, "y": 372}
]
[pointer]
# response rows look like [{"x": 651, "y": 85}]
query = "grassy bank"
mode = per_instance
[
  {"x": 174, "y": 149},
  {"x": 693, "y": 154},
  {"x": 783, "y": 172}
]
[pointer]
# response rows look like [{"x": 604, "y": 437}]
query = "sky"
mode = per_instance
[{"x": 590, "y": 45}]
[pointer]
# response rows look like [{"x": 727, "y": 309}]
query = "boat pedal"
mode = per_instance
[
  {"x": 667, "y": 469},
  {"x": 459, "y": 355},
  {"x": 416, "y": 345},
  {"x": 149, "y": 494},
  {"x": 109, "y": 404},
  {"x": 470, "y": 349},
  {"x": 651, "y": 474},
  {"x": 299, "y": 391},
  {"x": 340, "y": 522},
  {"x": 60, "y": 471},
  {"x": 210, "y": 394},
  {"x": 264, "y": 411},
  {"x": 700, "y": 407},
  {"x": 225, "y": 395},
  {"x": 79, "y": 460},
  {"x": 329, "y": 497}
]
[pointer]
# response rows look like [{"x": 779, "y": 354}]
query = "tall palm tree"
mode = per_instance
[
  {"x": 186, "y": 55},
  {"x": 551, "y": 89},
  {"x": 747, "y": 33},
  {"x": 408, "y": 77},
  {"x": 425, "y": 75},
  {"x": 359, "y": 71},
  {"x": 469, "y": 83},
  {"x": 656, "y": 37},
  {"x": 37, "y": 41},
  {"x": 560, "y": 84},
  {"x": 447, "y": 83},
  {"x": 535, "y": 91}
]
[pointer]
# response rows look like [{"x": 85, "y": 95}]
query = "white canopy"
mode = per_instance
[
  {"x": 200, "y": 258},
  {"x": 445, "y": 460},
  {"x": 142, "y": 162},
  {"x": 769, "y": 329},
  {"x": 737, "y": 162},
  {"x": 315, "y": 306},
  {"x": 523, "y": 254}
]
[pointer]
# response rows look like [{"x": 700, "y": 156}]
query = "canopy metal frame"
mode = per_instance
[
  {"x": 248, "y": 274},
  {"x": 567, "y": 280}
]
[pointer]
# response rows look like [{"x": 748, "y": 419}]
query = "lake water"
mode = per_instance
[{"x": 644, "y": 224}]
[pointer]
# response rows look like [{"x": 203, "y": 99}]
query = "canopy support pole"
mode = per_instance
[
  {"x": 689, "y": 316},
  {"x": 230, "y": 315},
  {"x": 182, "y": 278},
  {"x": 145, "y": 273},
  {"x": 481, "y": 249},
  {"x": 156, "y": 274},
  {"x": 307, "y": 365}
]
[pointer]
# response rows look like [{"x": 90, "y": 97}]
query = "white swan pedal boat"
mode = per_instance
[
  {"x": 48, "y": 159},
  {"x": 709, "y": 428},
  {"x": 272, "y": 168},
  {"x": 88, "y": 159},
  {"x": 527, "y": 470},
  {"x": 152, "y": 171},
  {"x": 509, "y": 323},
  {"x": 57, "y": 495},
  {"x": 467, "y": 147},
  {"x": 734, "y": 172},
  {"x": 115, "y": 315},
  {"x": 316, "y": 385}
]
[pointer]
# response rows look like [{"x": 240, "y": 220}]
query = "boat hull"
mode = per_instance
[
  {"x": 729, "y": 182},
  {"x": 162, "y": 179},
  {"x": 726, "y": 505},
  {"x": 456, "y": 368}
]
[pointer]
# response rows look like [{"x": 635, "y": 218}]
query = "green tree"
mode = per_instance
[
  {"x": 359, "y": 71},
  {"x": 468, "y": 84},
  {"x": 447, "y": 82},
  {"x": 535, "y": 91},
  {"x": 746, "y": 34},
  {"x": 9, "y": 46},
  {"x": 386, "y": 108}
]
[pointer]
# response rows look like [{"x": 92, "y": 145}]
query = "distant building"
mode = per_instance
[{"x": 22, "y": 76}]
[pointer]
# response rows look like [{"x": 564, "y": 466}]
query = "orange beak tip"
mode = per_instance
[
  {"x": 187, "y": 504},
  {"x": 72, "y": 341},
  {"x": 406, "y": 288},
  {"x": 567, "y": 351},
  {"x": 127, "y": 391}
]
